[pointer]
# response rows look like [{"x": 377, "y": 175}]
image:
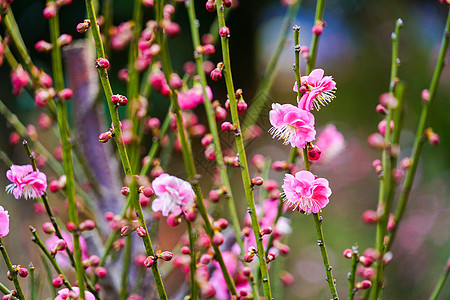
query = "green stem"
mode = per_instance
[
  {"x": 190, "y": 165},
  {"x": 107, "y": 12},
  {"x": 4, "y": 289},
  {"x": 437, "y": 290},
  {"x": 37, "y": 240},
  {"x": 352, "y": 273},
  {"x": 261, "y": 94},
  {"x": 8, "y": 55},
  {"x": 315, "y": 40},
  {"x": 419, "y": 140},
  {"x": 48, "y": 274},
  {"x": 32, "y": 279},
  {"x": 67, "y": 149},
  {"x": 125, "y": 269},
  {"x": 12, "y": 271},
  {"x": 193, "y": 265},
  {"x": 242, "y": 154}
]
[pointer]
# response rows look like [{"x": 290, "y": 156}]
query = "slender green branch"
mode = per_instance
[
  {"x": 32, "y": 283},
  {"x": 12, "y": 271},
  {"x": 107, "y": 12},
  {"x": 4, "y": 289},
  {"x": 352, "y": 274},
  {"x": 242, "y": 154},
  {"x": 193, "y": 265},
  {"x": 261, "y": 94},
  {"x": 437, "y": 290},
  {"x": 48, "y": 274},
  {"x": 37, "y": 240},
  {"x": 125, "y": 269},
  {"x": 315, "y": 40},
  {"x": 419, "y": 140}
]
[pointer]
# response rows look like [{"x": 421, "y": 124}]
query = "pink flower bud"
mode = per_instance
[
  {"x": 66, "y": 94},
  {"x": 123, "y": 100},
  {"x": 314, "y": 152},
  {"x": 265, "y": 231},
  {"x": 148, "y": 3},
  {"x": 366, "y": 260},
  {"x": 42, "y": 97},
  {"x": 227, "y": 3},
  {"x": 221, "y": 224},
  {"x": 214, "y": 195},
  {"x": 148, "y": 191},
  {"x": 48, "y": 228},
  {"x": 271, "y": 256},
  {"x": 207, "y": 139},
  {"x": 175, "y": 81},
  {"x": 49, "y": 10},
  {"x": 102, "y": 63},
  {"x": 258, "y": 161},
  {"x": 363, "y": 285},
  {"x": 226, "y": 126},
  {"x": 23, "y": 272},
  {"x": 94, "y": 260},
  {"x": 283, "y": 249},
  {"x": 370, "y": 217},
  {"x": 348, "y": 253},
  {"x": 173, "y": 220},
  {"x": 216, "y": 74},
  {"x": 14, "y": 138},
  {"x": 381, "y": 109},
  {"x": 83, "y": 27},
  {"x": 317, "y": 29},
  {"x": 115, "y": 99},
  {"x": 126, "y": 230},
  {"x": 70, "y": 226},
  {"x": 211, "y": 5},
  {"x": 245, "y": 232},
  {"x": 376, "y": 140},
  {"x": 165, "y": 90},
  {"x": 43, "y": 46},
  {"x": 405, "y": 163},
  {"x": 304, "y": 50},
  {"x": 100, "y": 272},
  {"x": 60, "y": 245},
  {"x": 141, "y": 232},
  {"x": 64, "y": 39},
  {"x": 433, "y": 138},
  {"x": 248, "y": 257},
  {"x": 140, "y": 259},
  {"x": 397, "y": 174},
  {"x": 391, "y": 222},
  {"x": 224, "y": 32},
  {"x": 54, "y": 186},
  {"x": 205, "y": 259},
  {"x": 105, "y": 136},
  {"x": 388, "y": 100},
  {"x": 172, "y": 29},
  {"x": 425, "y": 95},
  {"x": 382, "y": 126},
  {"x": 58, "y": 281},
  {"x": 87, "y": 225},
  {"x": 286, "y": 278},
  {"x": 218, "y": 238},
  {"x": 125, "y": 191},
  {"x": 258, "y": 181},
  {"x": 209, "y": 49},
  {"x": 185, "y": 250},
  {"x": 148, "y": 262},
  {"x": 280, "y": 165},
  {"x": 220, "y": 114},
  {"x": 166, "y": 255}
]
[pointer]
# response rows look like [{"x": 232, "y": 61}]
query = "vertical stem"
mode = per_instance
[
  {"x": 315, "y": 41},
  {"x": 242, "y": 154},
  {"x": 193, "y": 265},
  {"x": 12, "y": 271},
  {"x": 352, "y": 273},
  {"x": 125, "y": 269},
  {"x": 386, "y": 182},
  {"x": 419, "y": 140},
  {"x": 67, "y": 149},
  {"x": 32, "y": 292},
  {"x": 441, "y": 282},
  {"x": 48, "y": 274}
]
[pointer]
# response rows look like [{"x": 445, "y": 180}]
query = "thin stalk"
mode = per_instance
[
  {"x": 193, "y": 265},
  {"x": 37, "y": 240},
  {"x": 352, "y": 274},
  {"x": 8, "y": 55},
  {"x": 12, "y": 271},
  {"x": 191, "y": 170},
  {"x": 261, "y": 94},
  {"x": 107, "y": 13},
  {"x": 315, "y": 40},
  {"x": 48, "y": 274},
  {"x": 242, "y": 154},
  {"x": 385, "y": 191},
  {"x": 67, "y": 149},
  {"x": 440, "y": 284},
  {"x": 121, "y": 147},
  {"x": 4, "y": 289},
  {"x": 420, "y": 139},
  {"x": 125, "y": 269},
  {"x": 32, "y": 279}
]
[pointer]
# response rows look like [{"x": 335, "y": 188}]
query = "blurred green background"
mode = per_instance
[{"x": 355, "y": 49}]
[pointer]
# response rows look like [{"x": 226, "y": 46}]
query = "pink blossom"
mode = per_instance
[
  {"x": 26, "y": 182},
  {"x": 4, "y": 222},
  {"x": 19, "y": 80},
  {"x": 319, "y": 90},
  {"x": 174, "y": 195},
  {"x": 331, "y": 143},
  {"x": 62, "y": 257},
  {"x": 75, "y": 293},
  {"x": 121, "y": 35},
  {"x": 190, "y": 98},
  {"x": 305, "y": 192},
  {"x": 292, "y": 124}
]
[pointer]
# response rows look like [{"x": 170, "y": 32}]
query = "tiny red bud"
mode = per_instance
[
  {"x": 224, "y": 32},
  {"x": 370, "y": 217},
  {"x": 126, "y": 230},
  {"x": 205, "y": 259},
  {"x": 94, "y": 260},
  {"x": 348, "y": 253},
  {"x": 226, "y": 126},
  {"x": 185, "y": 250},
  {"x": 58, "y": 281},
  {"x": 211, "y": 5},
  {"x": 148, "y": 262},
  {"x": 60, "y": 245},
  {"x": 43, "y": 46},
  {"x": 64, "y": 39},
  {"x": 23, "y": 272},
  {"x": 148, "y": 191},
  {"x": 381, "y": 109},
  {"x": 314, "y": 152},
  {"x": 425, "y": 95},
  {"x": 100, "y": 272},
  {"x": 258, "y": 181},
  {"x": 66, "y": 94},
  {"x": 166, "y": 255},
  {"x": 48, "y": 228},
  {"x": 141, "y": 232},
  {"x": 87, "y": 225},
  {"x": 216, "y": 74},
  {"x": 125, "y": 191},
  {"x": 70, "y": 226},
  {"x": 367, "y": 261},
  {"x": 265, "y": 231},
  {"x": 218, "y": 238},
  {"x": 102, "y": 63},
  {"x": 227, "y": 3}
]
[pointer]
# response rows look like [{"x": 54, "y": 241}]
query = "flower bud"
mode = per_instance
[
  {"x": 381, "y": 109},
  {"x": 173, "y": 220},
  {"x": 376, "y": 140},
  {"x": 58, "y": 281},
  {"x": 172, "y": 29},
  {"x": 104, "y": 136},
  {"x": 23, "y": 272},
  {"x": 405, "y": 163},
  {"x": 205, "y": 259},
  {"x": 286, "y": 278},
  {"x": 224, "y": 32},
  {"x": 388, "y": 100},
  {"x": 175, "y": 81},
  {"x": 43, "y": 46},
  {"x": 245, "y": 232},
  {"x": 100, "y": 272},
  {"x": 348, "y": 253},
  {"x": 265, "y": 231},
  {"x": 94, "y": 260},
  {"x": 216, "y": 74},
  {"x": 87, "y": 225},
  {"x": 241, "y": 106},
  {"x": 258, "y": 181},
  {"x": 382, "y": 126},
  {"x": 248, "y": 257},
  {"x": 125, "y": 191},
  {"x": 148, "y": 262},
  {"x": 70, "y": 226},
  {"x": 166, "y": 255},
  {"x": 220, "y": 114},
  {"x": 370, "y": 217},
  {"x": 48, "y": 228},
  {"x": 60, "y": 245},
  {"x": 49, "y": 10},
  {"x": 126, "y": 230},
  {"x": 211, "y": 5},
  {"x": 313, "y": 152},
  {"x": 83, "y": 27},
  {"x": 221, "y": 224},
  {"x": 226, "y": 126},
  {"x": 218, "y": 238},
  {"x": 317, "y": 29},
  {"x": 363, "y": 285},
  {"x": 141, "y": 232},
  {"x": 64, "y": 39},
  {"x": 433, "y": 138},
  {"x": 102, "y": 63},
  {"x": 207, "y": 139},
  {"x": 186, "y": 250},
  {"x": 425, "y": 95},
  {"x": 367, "y": 261},
  {"x": 65, "y": 94}
]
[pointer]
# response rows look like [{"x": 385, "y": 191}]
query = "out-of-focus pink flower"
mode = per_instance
[
  {"x": 4, "y": 222},
  {"x": 331, "y": 143},
  {"x": 292, "y": 124},
  {"x": 190, "y": 98},
  {"x": 75, "y": 293},
  {"x": 19, "y": 80},
  {"x": 174, "y": 195},
  {"x": 121, "y": 35},
  {"x": 305, "y": 192},
  {"x": 319, "y": 90},
  {"x": 62, "y": 258},
  {"x": 26, "y": 182}
]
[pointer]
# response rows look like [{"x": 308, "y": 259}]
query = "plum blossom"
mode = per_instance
[
  {"x": 318, "y": 90},
  {"x": 305, "y": 192},
  {"x": 292, "y": 124},
  {"x": 26, "y": 182},
  {"x": 331, "y": 143},
  {"x": 190, "y": 98},
  {"x": 174, "y": 195},
  {"x": 62, "y": 258},
  {"x": 74, "y": 294},
  {"x": 19, "y": 80},
  {"x": 4, "y": 222}
]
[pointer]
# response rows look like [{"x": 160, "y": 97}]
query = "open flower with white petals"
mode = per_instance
[
  {"x": 317, "y": 90},
  {"x": 293, "y": 125}
]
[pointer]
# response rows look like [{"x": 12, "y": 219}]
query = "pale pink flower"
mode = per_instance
[
  {"x": 4, "y": 222},
  {"x": 305, "y": 192},
  {"x": 174, "y": 195},
  {"x": 292, "y": 124},
  {"x": 62, "y": 258},
  {"x": 319, "y": 90},
  {"x": 331, "y": 143},
  {"x": 190, "y": 98},
  {"x": 66, "y": 294},
  {"x": 26, "y": 182}
]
